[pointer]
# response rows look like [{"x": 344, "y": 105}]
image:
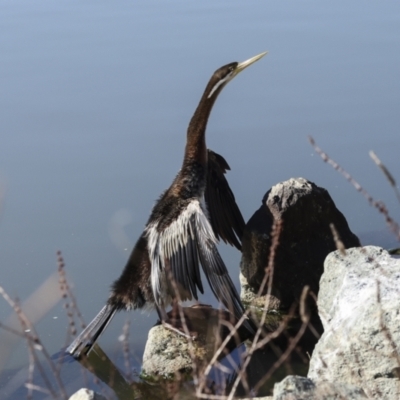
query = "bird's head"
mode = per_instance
[{"x": 226, "y": 73}]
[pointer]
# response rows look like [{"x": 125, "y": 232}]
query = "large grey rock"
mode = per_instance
[
  {"x": 359, "y": 305},
  {"x": 301, "y": 388},
  {"x": 306, "y": 212}
]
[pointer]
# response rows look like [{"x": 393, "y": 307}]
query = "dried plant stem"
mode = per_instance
[
  {"x": 34, "y": 344},
  {"x": 305, "y": 316},
  {"x": 269, "y": 274},
  {"x": 277, "y": 332},
  {"x": 275, "y": 234},
  {"x": 379, "y": 205},
  {"x": 68, "y": 294},
  {"x": 71, "y": 308},
  {"x": 13, "y": 331},
  {"x": 336, "y": 238},
  {"x": 178, "y": 304},
  {"x": 125, "y": 350},
  {"x": 386, "y": 172}
]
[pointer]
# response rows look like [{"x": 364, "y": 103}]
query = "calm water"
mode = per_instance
[{"x": 96, "y": 98}]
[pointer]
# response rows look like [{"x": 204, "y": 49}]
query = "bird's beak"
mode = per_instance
[{"x": 244, "y": 64}]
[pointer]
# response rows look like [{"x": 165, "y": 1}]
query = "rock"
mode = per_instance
[
  {"x": 86, "y": 394},
  {"x": 306, "y": 211},
  {"x": 167, "y": 353},
  {"x": 359, "y": 305},
  {"x": 250, "y": 298},
  {"x": 257, "y": 304},
  {"x": 301, "y": 388}
]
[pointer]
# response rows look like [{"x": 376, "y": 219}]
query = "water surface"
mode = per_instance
[{"x": 96, "y": 98}]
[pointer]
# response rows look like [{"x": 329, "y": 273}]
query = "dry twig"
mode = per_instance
[
  {"x": 379, "y": 205},
  {"x": 386, "y": 172}
]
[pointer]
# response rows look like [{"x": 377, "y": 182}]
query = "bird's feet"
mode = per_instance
[{"x": 176, "y": 327}]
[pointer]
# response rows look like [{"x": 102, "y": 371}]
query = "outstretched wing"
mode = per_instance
[
  {"x": 215, "y": 270},
  {"x": 225, "y": 217},
  {"x": 173, "y": 254},
  {"x": 179, "y": 249}
]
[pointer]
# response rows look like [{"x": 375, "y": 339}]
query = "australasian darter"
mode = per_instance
[{"x": 182, "y": 232}]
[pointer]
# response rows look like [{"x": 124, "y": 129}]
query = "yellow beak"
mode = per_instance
[{"x": 244, "y": 64}]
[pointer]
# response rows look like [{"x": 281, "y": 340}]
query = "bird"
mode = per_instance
[{"x": 182, "y": 232}]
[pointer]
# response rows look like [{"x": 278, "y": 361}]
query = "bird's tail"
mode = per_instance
[{"x": 83, "y": 344}]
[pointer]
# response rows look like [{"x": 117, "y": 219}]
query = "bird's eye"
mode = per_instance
[{"x": 230, "y": 70}]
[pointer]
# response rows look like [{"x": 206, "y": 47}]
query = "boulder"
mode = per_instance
[
  {"x": 168, "y": 354},
  {"x": 359, "y": 305},
  {"x": 301, "y": 388},
  {"x": 306, "y": 212}
]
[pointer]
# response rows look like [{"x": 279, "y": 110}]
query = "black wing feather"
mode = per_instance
[
  {"x": 225, "y": 217},
  {"x": 219, "y": 280},
  {"x": 185, "y": 269},
  {"x": 192, "y": 265},
  {"x": 178, "y": 265},
  {"x": 195, "y": 263}
]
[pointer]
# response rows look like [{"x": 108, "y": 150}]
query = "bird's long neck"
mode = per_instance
[{"x": 196, "y": 150}]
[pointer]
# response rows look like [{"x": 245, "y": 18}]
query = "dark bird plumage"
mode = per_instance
[{"x": 182, "y": 232}]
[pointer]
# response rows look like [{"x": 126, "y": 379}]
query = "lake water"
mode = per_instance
[{"x": 96, "y": 97}]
